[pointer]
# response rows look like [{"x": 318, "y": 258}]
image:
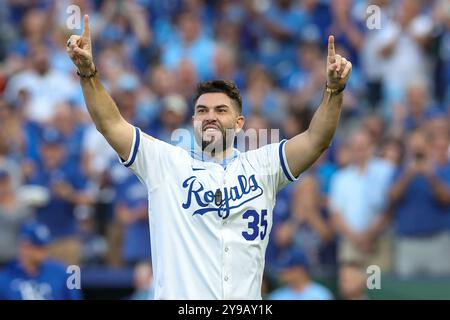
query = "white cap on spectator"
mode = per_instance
[{"x": 175, "y": 103}]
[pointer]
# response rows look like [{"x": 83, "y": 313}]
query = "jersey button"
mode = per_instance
[
  {"x": 226, "y": 249},
  {"x": 226, "y": 278}
]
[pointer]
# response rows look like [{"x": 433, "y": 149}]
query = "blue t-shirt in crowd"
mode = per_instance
[
  {"x": 131, "y": 193},
  {"x": 200, "y": 53},
  {"x": 50, "y": 283},
  {"x": 136, "y": 246},
  {"x": 312, "y": 291},
  {"x": 418, "y": 212},
  {"x": 279, "y": 56},
  {"x": 73, "y": 144},
  {"x": 320, "y": 19},
  {"x": 31, "y": 131},
  {"x": 281, "y": 213},
  {"x": 58, "y": 213}
]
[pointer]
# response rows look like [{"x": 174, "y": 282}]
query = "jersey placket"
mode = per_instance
[
  {"x": 227, "y": 259},
  {"x": 226, "y": 250}
]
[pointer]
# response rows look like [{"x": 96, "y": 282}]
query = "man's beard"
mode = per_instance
[
  {"x": 218, "y": 145},
  {"x": 213, "y": 146}
]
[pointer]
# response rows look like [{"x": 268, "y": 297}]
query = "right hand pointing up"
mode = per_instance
[{"x": 80, "y": 50}]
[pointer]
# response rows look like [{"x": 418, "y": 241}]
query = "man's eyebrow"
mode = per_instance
[{"x": 218, "y": 106}]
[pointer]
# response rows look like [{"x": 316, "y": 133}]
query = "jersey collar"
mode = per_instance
[{"x": 198, "y": 154}]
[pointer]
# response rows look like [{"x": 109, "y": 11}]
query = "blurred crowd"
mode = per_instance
[{"x": 379, "y": 195}]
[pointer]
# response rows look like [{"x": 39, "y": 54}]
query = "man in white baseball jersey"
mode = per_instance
[{"x": 212, "y": 207}]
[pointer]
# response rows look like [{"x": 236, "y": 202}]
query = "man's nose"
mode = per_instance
[{"x": 211, "y": 114}]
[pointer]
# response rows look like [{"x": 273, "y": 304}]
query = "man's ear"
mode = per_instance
[{"x": 240, "y": 121}]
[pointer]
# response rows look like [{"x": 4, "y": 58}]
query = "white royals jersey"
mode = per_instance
[{"x": 209, "y": 224}]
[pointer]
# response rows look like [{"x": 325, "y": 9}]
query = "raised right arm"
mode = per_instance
[{"x": 102, "y": 109}]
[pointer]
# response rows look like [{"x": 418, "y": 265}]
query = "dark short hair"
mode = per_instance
[
  {"x": 223, "y": 86},
  {"x": 353, "y": 264}
]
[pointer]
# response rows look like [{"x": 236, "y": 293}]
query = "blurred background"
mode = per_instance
[{"x": 379, "y": 196}]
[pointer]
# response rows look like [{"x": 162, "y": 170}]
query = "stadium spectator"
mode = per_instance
[
  {"x": 347, "y": 30},
  {"x": 225, "y": 65},
  {"x": 173, "y": 116},
  {"x": 279, "y": 242},
  {"x": 143, "y": 282},
  {"x": 126, "y": 22},
  {"x": 307, "y": 76},
  {"x": 352, "y": 282},
  {"x": 33, "y": 276},
  {"x": 12, "y": 214},
  {"x": 162, "y": 83},
  {"x": 318, "y": 19},
  {"x": 416, "y": 111},
  {"x": 66, "y": 121},
  {"x": 190, "y": 44},
  {"x": 372, "y": 62},
  {"x": 375, "y": 126},
  {"x": 186, "y": 79},
  {"x": 131, "y": 211},
  {"x": 67, "y": 188},
  {"x": 94, "y": 246},
  {"x": 45, "y": 86},
  {"x": 403, "y": 43},
  {"x": 96, "y": 154},
  {"x": 277, "y": 30},
  {"x": 294, "y": 272},
  {"x": 420, "y": 195},
  {"x": 257, "y": 127},
  {"x": 358, "y": 204},
  {"x": 263, "y": 97},
  {"x": 228, "y": 25},
  {"x": 391, "y": 149},
  {"x": 306, "y": 227},
  {"x": 12, "y": 143},
  {"x": 33, "y": 27},
  {"x": 442, "y": 52}
]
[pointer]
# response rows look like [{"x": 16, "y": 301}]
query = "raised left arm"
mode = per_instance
[{"x": 305, "y": 148}]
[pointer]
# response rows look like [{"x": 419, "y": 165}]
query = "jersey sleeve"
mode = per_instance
[
  {"x": 150, "y": 159},
  {"x": 270, "y": 162}
]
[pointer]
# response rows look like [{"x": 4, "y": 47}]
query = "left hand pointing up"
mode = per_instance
[{"x": 338, "y": 68}]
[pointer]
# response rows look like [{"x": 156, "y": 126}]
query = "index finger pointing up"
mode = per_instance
[
  {"x": 86, "y": 31},
  {"x": 331, "y": 51}
]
